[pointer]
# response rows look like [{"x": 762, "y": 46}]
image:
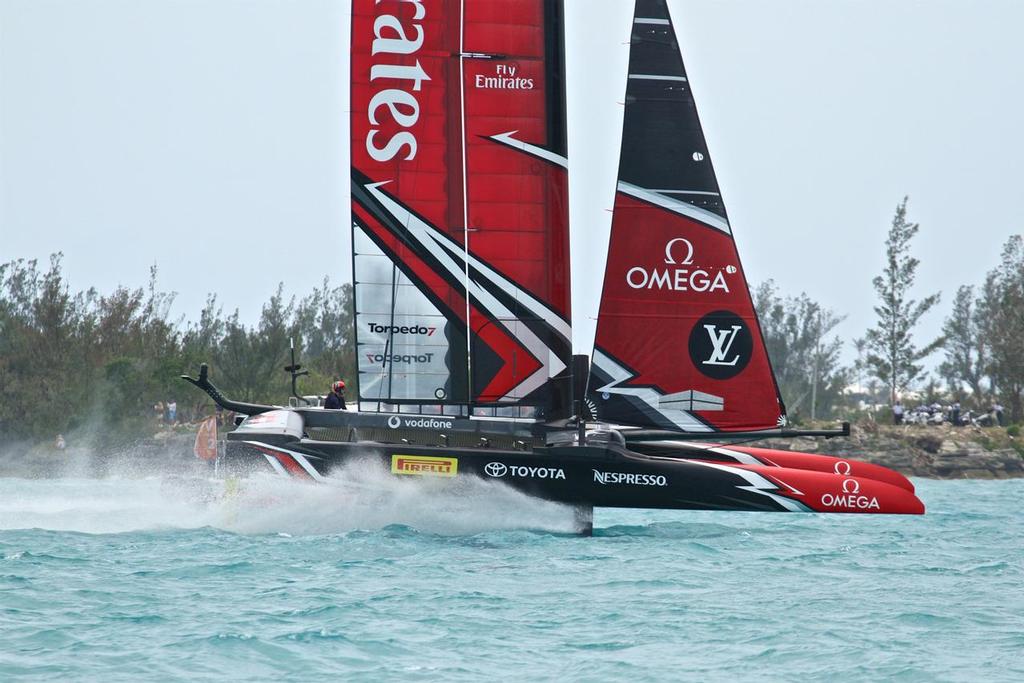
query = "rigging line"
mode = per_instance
[
  {"x": 390, "y": 343},
  {"x": 465, "y": 196}
]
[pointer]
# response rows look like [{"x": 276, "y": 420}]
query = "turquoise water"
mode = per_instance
[{"x": 145, "y": 579}]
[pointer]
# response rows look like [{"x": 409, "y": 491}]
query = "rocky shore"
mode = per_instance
[{"x": 935, "y": 452}]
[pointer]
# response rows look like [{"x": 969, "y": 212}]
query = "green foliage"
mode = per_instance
[
  {"x": 325, "y": 324},
  {"x": 98, "y": 364},
  {"x": 983, "y": 336},
  {"x": 1000, "y": 315},
  {"x": 892, "y": 355},
  {"x": 1013, "y": 430},
  {"x": 966, "y": 353},
  {"x": 805, "y": 360}
]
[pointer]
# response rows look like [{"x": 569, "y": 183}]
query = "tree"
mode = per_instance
[
  {"x": 805, "y": 360},
  {"x": 97, "y": 363},
  {"x": 860, "y": 345},
  {"x": 1000, "y": 319},
  {"x": 965, "y": 348},
  {"x": 892, "y": 356},
  {"x": 324, "y": 322}
]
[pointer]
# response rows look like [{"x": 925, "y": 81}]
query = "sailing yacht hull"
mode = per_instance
[
  {"x": 606, "y": 475},
  {"x": 770, "y": 457}
]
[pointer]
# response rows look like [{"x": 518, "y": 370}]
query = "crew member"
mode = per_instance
[
  {"x": 336, "y": 399},
  {"x": 897, "y": 413}
]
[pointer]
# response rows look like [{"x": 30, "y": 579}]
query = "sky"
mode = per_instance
[{"x": 211, "y": 138}]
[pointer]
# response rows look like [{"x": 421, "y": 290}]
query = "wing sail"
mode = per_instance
[{"x": 459, "y": 205}]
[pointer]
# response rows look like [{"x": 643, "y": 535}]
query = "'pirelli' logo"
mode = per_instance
[{"x": 424, "y": 465}]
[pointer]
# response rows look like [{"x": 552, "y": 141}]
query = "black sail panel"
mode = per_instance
[{"x": 663, "y": 145}]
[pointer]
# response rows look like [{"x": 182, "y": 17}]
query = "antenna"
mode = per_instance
[{"x": 294, "y": 369}]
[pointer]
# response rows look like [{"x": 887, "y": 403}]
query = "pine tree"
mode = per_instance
[
  {"x": 805, "y": 357},
  {"x": 892, "y": 356},
  {"x": 965, "y": 348},
  {"x": 1000, "y": 319}
]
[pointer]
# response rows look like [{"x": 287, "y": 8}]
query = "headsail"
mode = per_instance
[
  {"x": 459, "y": 205},
  {"x": 678, "y": 344}
]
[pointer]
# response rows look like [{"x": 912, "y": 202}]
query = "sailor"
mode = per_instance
[
  {"x": 897, "y": 413},
  {"x": 336, "y": 399}
]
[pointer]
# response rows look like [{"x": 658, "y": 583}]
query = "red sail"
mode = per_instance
[
  {"x": 459, "y": 198},
  {"x": 205, "y": 446},
  {"x": 678, "y": 343}
]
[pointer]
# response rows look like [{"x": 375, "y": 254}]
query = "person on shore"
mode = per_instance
[
  {"x": 60, "y": 443},
  {"x": 954, "y": 414},
  {"x": 897, "y": 413},
  {"x": 336, "y": 399},
  {"x": 172, "y": 412},
  {"x": 997, "y": 411}
]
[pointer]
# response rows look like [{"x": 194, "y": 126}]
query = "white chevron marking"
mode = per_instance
[{"x": 441, "y": 247}]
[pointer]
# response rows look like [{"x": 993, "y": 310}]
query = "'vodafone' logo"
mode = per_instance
[{"x": 419, "y": 422}]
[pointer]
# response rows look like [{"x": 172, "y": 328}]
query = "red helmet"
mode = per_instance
[{"x": 338, "y": 386}]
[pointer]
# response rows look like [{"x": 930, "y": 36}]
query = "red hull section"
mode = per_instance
[
  {"x": 768, "y": 457},
  {"x": 825, "y": 463},
  {"x": 827, "y": 492}
]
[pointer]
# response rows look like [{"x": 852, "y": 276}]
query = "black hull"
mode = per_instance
[
  {"x": 604, "y": 472},
  {"x": 579, "y": 476}
]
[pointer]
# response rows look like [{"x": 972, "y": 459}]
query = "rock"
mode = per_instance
[{"x": 932, "y": 451}]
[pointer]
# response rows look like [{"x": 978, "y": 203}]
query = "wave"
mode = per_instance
[{"x": 359, "y": 497}]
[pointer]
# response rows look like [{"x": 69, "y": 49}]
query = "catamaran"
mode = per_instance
[{"x": 462, "y": 283}]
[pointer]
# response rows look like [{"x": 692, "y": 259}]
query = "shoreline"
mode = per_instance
[{"x": 927, "y": 451}]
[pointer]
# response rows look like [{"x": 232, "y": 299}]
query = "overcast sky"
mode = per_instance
[{"x": 210, "y": 138}]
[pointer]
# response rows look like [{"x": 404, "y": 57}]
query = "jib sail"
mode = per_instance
[
  {"x": 459, "y": 205},
  {"x": 678, "y": 344}
]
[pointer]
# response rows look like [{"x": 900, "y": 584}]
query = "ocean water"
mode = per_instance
[{"x": 150, "y": 578}]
